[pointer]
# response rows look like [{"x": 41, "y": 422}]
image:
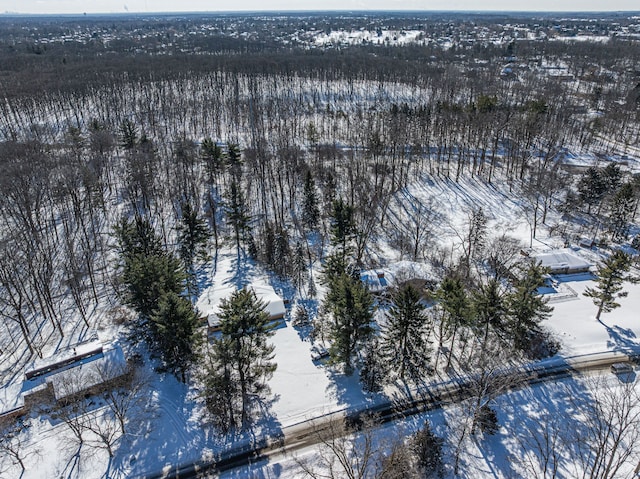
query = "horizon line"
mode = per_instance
[{"x": 317, "y": 11}]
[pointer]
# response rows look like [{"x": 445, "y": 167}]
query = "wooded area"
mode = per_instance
[{"x": 126, "y": 167}]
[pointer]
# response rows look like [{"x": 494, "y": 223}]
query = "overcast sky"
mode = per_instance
[{"x": 142, "y": 6}]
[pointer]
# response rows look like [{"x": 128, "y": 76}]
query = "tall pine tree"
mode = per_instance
[
  {"x": 193, "y": 239},
  {"x": 343, "y": 227},
  {"x": 237, "y": 213},
  {"x": 591, "y": 187},
  {"x": 526, "y": 307},
  {"x": 611, "y": 274},
  {"x": 621, "y": 211},
  {"x": 405, "y": 343},
  {"x": 221, "y": 391},
  {"x": 310, "y": 209},
  {"x": 454, "y": 301},
  {"x": 351, "y": 308},
  {"x": 245, "y": 329},
  {"x": 148, "y": 271},
  {"x": 176, "y": 323},
  {"x": 489, "y": 311}
]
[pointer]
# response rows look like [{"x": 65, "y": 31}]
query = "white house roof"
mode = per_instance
[
  {"x": 274, "y": 304},
  {"x": 562, "y": 259},
  {"x": 62, "y": 358},
  {"x": 75, "y": 370}
]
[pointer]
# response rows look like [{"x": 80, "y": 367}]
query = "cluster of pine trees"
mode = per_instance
[{"x": 157, "y": 285}]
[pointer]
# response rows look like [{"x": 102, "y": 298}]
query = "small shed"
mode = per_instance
[
  {"x": 586, "y": 243},
  {"x": 562, "y": 261}
]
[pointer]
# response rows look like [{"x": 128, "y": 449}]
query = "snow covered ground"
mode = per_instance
[
  {"x": 169, "y": 428},
  {"x": 536, "y": 420}
]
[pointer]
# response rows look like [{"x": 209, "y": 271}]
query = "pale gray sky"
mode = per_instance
[{"x": 141, "y": 6}]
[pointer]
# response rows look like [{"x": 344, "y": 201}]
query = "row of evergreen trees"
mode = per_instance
[{"x": 160, "y": 286}]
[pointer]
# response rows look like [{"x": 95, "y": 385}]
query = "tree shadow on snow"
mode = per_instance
[
  {"x": 540, "y": 422},
  {"x": 203, "y": 277},
  {"x": 242, "y": 266},
  {"x": 166, "y": 431},
  {"x": 621, "y": 339},
  {"x": 347, "y": 390},
  {"x": 262, "y": 430}
]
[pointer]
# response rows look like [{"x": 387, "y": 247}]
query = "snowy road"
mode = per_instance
[{"x": 307, "y": 433}]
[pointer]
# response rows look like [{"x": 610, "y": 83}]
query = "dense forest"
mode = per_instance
[{"x": 134, "y": 150}]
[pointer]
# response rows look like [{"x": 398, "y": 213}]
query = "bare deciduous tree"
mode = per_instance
[
  {"x": 13, "y": 450},
  {"x": 609, "y": 436},
  {"x": 343, "y": 452}
]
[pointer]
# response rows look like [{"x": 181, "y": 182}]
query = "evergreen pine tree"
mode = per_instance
[
  {"x": 526, "y": 307},
  {"x": 221, "y": 391},
  {"x": 128, "y": 134},
  {"x": 591, "y": 187},
  {"x": 237, "y": 213},
  {"x": 149, "y": 278},
  {"x": 374, "y": 369},
  {"x": 148, "y": 271},
  {"x": 137, "y": 237},
  {"x": 454, "y": 301},
  {"x": 427, "y": 449},
  {"x": 621, "y": 212},
  {"x": 351, "y": 307},
  {"x": 176, "y": 325},
  {"x": 211, "y": 154},
  {"x": 245, "y": 329},
  {"x": 405, "y": 344},
  {"x": 342, "y": 227},
  {"x": 282, "y": 253},
  {"x": 312, "y": 291},
  {"x": 612, "y": 177},
  {"x": 299, "y": 266},
  {"x": 487, "y": 420},
  {"x": 489, "y": 308},
  {"x": 268, "y": 245},
  {"x": 310, "y": 209},
  {"x": 193, "y": 239},
  {"x": 611, "y": 275},
  {"x": 234, "y": 159},
  {"x": 338, "y": 263}
]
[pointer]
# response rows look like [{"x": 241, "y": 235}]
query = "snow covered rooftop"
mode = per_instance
[
  {"x": 376, "y": 280},
  {"x": 65, "y": 374},
  {"x": 562, "y": 261},
  {"x": 64, "y": 358},
  {"x": 209, "y": 302},
  {"x": 274, "y": 303},
  {"x": 89, "y": 373}
]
